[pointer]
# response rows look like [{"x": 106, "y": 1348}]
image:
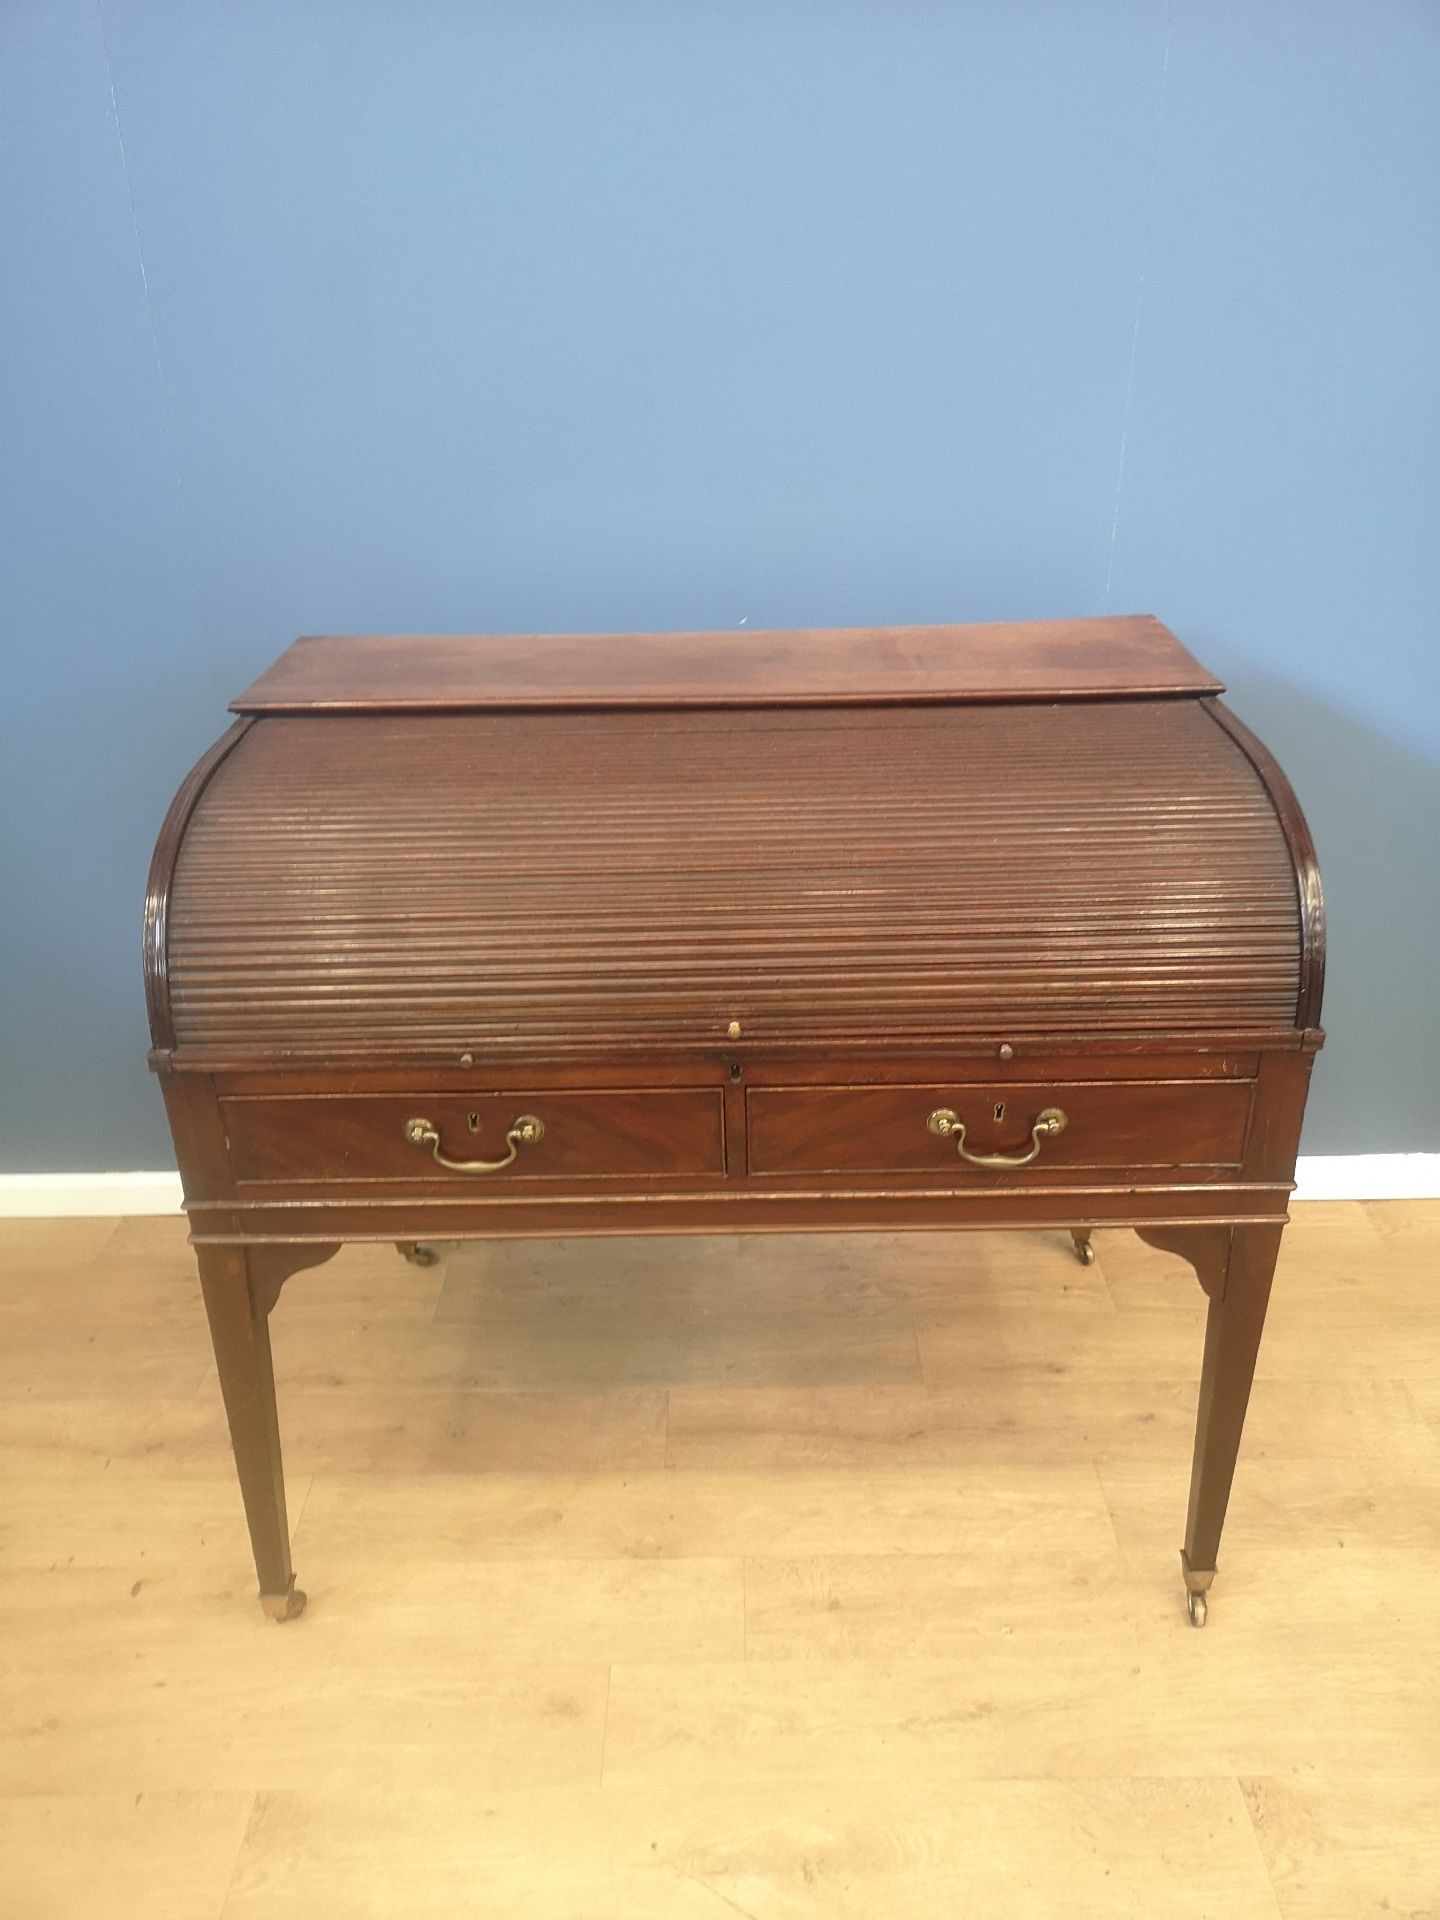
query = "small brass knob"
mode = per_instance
[
  {"x": 1007, "y": 1052},
  {"x": 733, "y": 1030}
]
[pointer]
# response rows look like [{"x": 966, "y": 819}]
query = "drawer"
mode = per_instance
[
  {"x": 1170, "y": 1123},
  {"x": 581, "y": 1135}
]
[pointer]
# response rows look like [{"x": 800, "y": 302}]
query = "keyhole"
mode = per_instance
[
  {"x": 999, "y": 1109},
  {"x": 472, "y": 1121}
]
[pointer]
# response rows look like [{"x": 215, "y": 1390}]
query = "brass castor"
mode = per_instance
[
  {"x": 1197, "y": 1585},
  {"x": 1084, "y": 1252},
  {"x": 417, "y": 1253},
  {"x": 283, "y": 1606}
]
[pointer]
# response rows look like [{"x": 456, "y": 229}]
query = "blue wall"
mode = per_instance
[{"x": 453, "y": 315}]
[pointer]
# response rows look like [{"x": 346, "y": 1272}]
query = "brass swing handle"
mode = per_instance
[
  {"x": 949, "y": 1125},
  {"x": 524, "y": 1132}
]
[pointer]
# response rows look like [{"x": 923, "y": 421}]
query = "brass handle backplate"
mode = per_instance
[
  {"x": 523, "y": 1132},
  {"x": 950, "y": 1126}
]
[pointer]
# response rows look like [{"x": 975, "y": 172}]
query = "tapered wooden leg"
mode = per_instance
[
  {"x": 1232, "y": 1341},
  {"x": 237, "y": 1301},
  {"x": 1235, "y": 1266}
]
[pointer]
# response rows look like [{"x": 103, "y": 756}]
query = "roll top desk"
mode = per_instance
[{"x": 975, "y": 927}]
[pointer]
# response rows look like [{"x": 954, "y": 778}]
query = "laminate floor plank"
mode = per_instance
[
  {"x": 662, "y": 1265},
  {"x": 936, "y": 1606},
  {"x": 1345, "y": 1844},
  {"x": 36, "y": 1250},
  {"x": 810, "y": 1269},
  {"x": 1414, "y": 1221},
  {"x": 649, "y": 1515},
  {"x": 1029, "y": 1849},
  {"x": 1337, "y": 1502},
  {"x": 1301, "y": 1342},
  {"x": 1033, "y": 1417},
  {"x": 91, "y": 1363},
  {"x": 417, "y": 1430},
  {"x": 115, "y": 1515},
  {"x": 601, "y": 1346},
  {"x": 960, "y": 1345},
  {"x": 1008, "y": 1272},
  {"x": 791, "y": 1576},
  {"x": 1145, "y": 1700},
  {"x": 179, "y": 1683},
  {"x": 1331, "y": 1252},
  {"x": 363, "y": 1281},
  {"x": 62, "y": 1434},
  {"x": 1427, "y": 1398},
  {"x": 168, "y": 1856}
]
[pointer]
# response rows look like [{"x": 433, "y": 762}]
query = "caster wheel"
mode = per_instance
[
  {"x": 418, "y": 1254},
  {"x": 283, "y": 1606},
  {"x": 1085, "y": 1253},
  {"x": 1195, "y": 1603}
]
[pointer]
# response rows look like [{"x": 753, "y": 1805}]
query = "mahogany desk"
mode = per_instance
[{"x": 996, "y": 926}]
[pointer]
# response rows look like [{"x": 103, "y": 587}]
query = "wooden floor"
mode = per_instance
[{"x": 694, "y": 1578}]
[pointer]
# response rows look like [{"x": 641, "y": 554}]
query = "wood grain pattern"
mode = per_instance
[
  {"x": 1344, "y": 1845},
  {"x": 965, "y": 1686},
  {"x": 1127, "y": 655},
  {"x": 1110, "y": 1704},
  {"x": 599, "y": 1134},
  {"x": 1127, "y": 1124},
  {"x": 551, "y": 883},
  {"x": 1036, "y": 1411},
  {"x": 166, "y": 1856},
  {"x": 1141, "y": 1850},
  {"x": 1029, "y": 1511}
]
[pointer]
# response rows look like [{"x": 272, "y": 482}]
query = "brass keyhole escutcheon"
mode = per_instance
[
  {"x": 999, "y": 1109},
  {"x": 472, "y": 1121}
]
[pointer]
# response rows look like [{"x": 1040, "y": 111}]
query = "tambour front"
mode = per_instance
[{"x": 920, "y": 927}]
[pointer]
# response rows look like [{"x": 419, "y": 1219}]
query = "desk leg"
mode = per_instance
[
  {"x": 1233, "y": 1327},
  {"x": 240, "y": 1288}
]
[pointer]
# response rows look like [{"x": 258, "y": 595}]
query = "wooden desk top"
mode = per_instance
[{"x": 1131, "y": 656}]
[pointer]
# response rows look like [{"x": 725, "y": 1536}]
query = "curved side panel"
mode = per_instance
[
  {"x": 1302, "y": 851},
  {"x": 157, "y": 887}
]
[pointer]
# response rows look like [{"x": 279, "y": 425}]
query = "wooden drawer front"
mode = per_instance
[
  {"x": 884, "y": 1129},
  {"x": 362, "y": 1137}
]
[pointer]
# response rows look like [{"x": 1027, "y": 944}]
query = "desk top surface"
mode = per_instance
[{"x": 1128, "y": 656}]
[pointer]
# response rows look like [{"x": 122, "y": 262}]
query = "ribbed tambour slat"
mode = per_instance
[{"x": 543, "y": 881}]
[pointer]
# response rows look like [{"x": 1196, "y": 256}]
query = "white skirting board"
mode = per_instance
[
  {"x": 1338, "y": 1176},
  {"x": 1368, "y": 1176},
  {"x": 31, "y": 1196}
]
